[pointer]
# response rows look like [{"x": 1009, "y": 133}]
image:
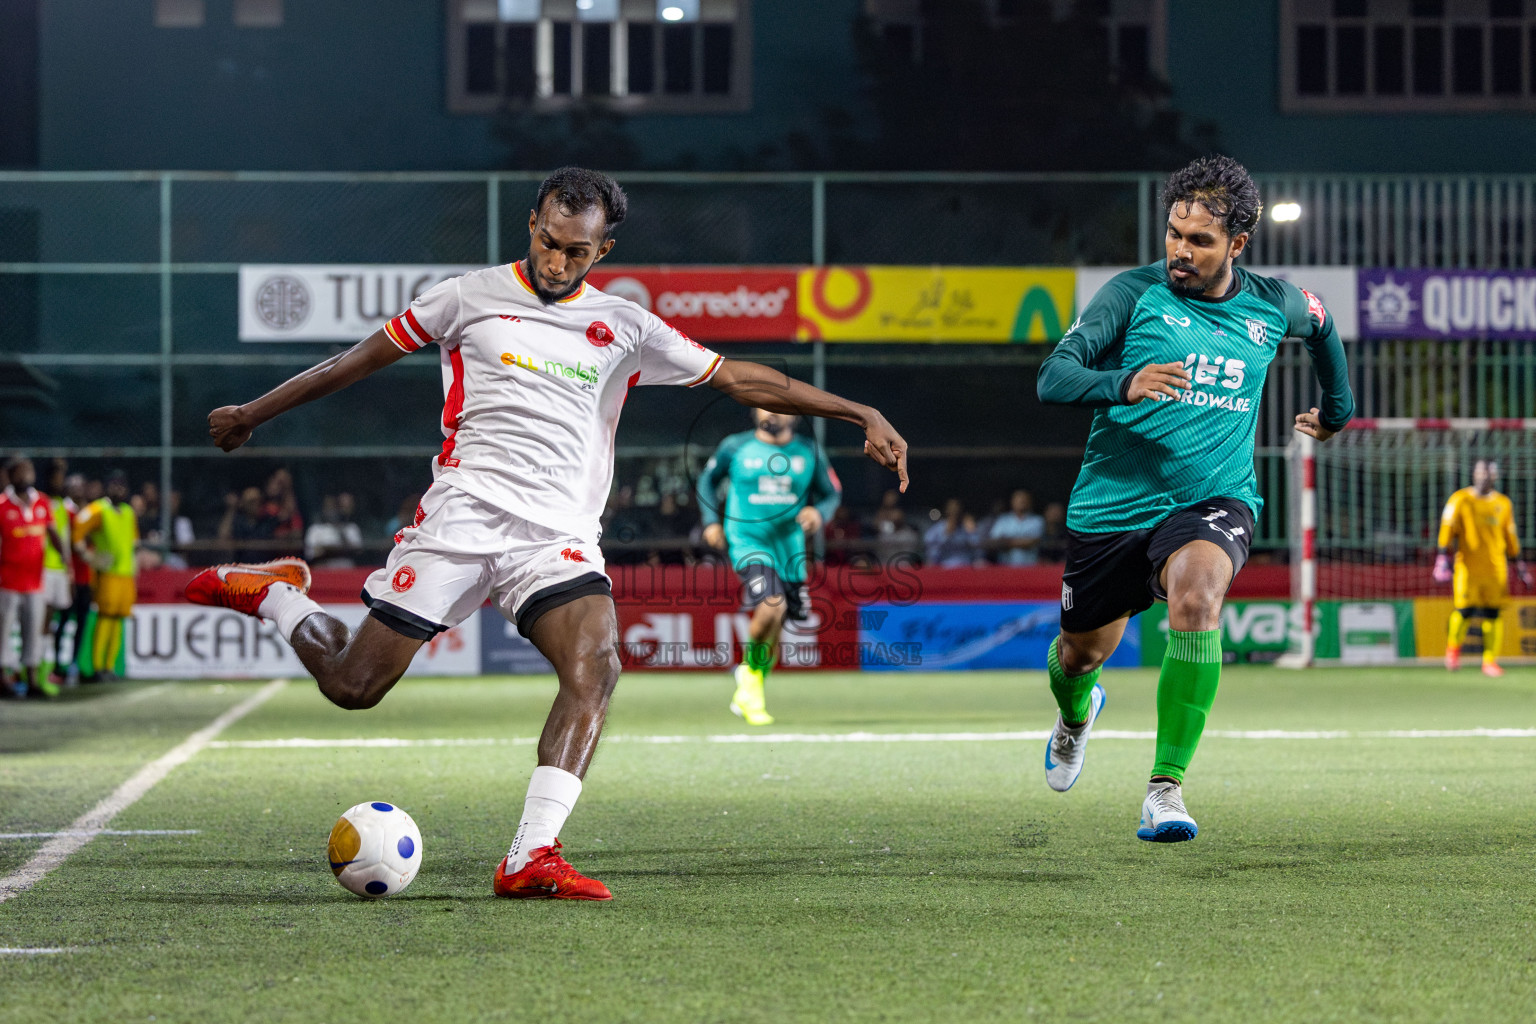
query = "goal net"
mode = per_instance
[{"x": 1364, "y": 521}]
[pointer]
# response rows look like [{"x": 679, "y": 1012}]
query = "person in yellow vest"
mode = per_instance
[
  {"x": 58, "y": 576},
  {"x": 111, "y": 529},
  {"x": 1478, "y": 526}
]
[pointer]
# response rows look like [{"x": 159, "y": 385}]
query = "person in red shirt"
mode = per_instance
[{"x": 26, "y": 522}]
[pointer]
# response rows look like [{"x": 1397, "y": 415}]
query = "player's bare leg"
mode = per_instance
[
  {"x": 354, "y": 670},
  {"x": 763, "y": 632},
  {"x": 581, "y": 641},
  {"x": 1195, "y": 577}
]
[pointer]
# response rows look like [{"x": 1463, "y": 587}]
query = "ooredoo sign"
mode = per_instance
[{"x": 711, "y": 304}]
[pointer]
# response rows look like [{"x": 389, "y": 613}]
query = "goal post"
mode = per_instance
[{"x": 1364, "y": 514}]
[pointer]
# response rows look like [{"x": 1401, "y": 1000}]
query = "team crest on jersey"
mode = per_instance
[
  {"x": 1258, "y": 332},
  {"x": 600, "y": 334},
  {"x": 403, "y": 579}
]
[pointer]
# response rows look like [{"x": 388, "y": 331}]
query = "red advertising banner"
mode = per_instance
[{"x": 711, "y": 303}]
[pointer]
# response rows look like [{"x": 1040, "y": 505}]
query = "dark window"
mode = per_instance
[
  {"x": 1349, "y": 60},
  {"x": 1506, "y": 60},
  {"x": 1428, "y": 60},
  {"x": 900, "y": 41},
  {"x": 518, "y": 60},
  {"x": 1009, "y": 8},
  {"x": 480, "y": 59},
  {"x": 562, "y": 55},
  {"x": 1506, "y": 8},
  {"x": 642, "y": 58},
  {"x": 596, "y": 58},
  {"x": 1390, "y": 79},
  {"x": 1349, "y": 8},
  {"x": 1428, "y": 8},
  {"x": 717, "y": 60},
  {"x": 1311, "y": 60},
  {"x": 677, "y": 59},
  {"x": 1467, "y": 60},
  {"x": 1134, "y": 45}
]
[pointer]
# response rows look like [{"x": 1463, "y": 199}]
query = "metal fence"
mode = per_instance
[{"x": 120, "y": 330}]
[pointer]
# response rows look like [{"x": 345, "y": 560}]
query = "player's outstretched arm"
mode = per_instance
[
  {"x": 760, "y": 387},
  {"x": 231, "y": 426}
]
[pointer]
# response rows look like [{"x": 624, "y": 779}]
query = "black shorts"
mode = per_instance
[
  {"x": 760, "y": 582},
  {"x": 1110, "y": 575}
]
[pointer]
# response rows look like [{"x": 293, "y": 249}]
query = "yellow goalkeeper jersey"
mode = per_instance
[{"x": 1485, "y": 528}]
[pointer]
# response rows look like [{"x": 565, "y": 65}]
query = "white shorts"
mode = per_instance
[
  {"x": 462, "y": 551},
  {"x": 58, "y": 588},
  {"x": 24, "y": 609}
]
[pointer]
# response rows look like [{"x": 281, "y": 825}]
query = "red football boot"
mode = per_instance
[
  {"x": 547, "y": 876},
  {"x": 244, "y": 587}
]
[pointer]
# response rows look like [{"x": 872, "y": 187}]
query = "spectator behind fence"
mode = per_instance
[
  {"x": 245, "y": 520},
  {"x": 282, "y": 508},
  {"x": 896, "y": 540},
  {"x": 672, "y": 523},
  {"x": 1053, "y": 541},
  {"x": 404, "y": 516},
  {"x": 842, "y": 534},
  {"x": 334, "y": 541},
  {"x": 1015, "y": 534},
  {"x": 951, "y": 542}
]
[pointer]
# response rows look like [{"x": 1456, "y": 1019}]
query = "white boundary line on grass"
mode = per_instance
[
  {"x": 304, "y": 742},
  {"x": 93, "y": 822},
  {"x": 103, "y": 832},
  {"x": 35, "y": 950}
]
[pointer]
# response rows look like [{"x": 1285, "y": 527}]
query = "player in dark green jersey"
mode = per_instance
[
  {"x": 781, "y": 489},
  {"x": 1173, "y": 356}
]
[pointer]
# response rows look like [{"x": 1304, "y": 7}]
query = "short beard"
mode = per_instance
[
  {"x": 548, "y": 297},
  {"x": 1195, "y": 287}
]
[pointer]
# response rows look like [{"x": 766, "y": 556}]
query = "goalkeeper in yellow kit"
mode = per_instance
[{"x": 1479, "y": 523}]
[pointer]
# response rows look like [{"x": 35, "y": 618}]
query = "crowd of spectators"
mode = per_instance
[{"x": 652, "y": 520}]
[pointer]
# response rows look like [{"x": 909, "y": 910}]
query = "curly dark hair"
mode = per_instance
[
  {"x": 1221, "y": 185},
  {"x": 578, "y": 190}
]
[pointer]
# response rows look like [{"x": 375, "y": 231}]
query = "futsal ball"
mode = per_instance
[{"x": 375, "y": 849}]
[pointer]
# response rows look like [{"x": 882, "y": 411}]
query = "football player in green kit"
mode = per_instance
[
  {"x": 781, "y": 489},
  {"x": 1173, "y": 358}
]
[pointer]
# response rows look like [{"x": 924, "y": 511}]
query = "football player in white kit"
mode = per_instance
[{"x": 536, "y": 366}]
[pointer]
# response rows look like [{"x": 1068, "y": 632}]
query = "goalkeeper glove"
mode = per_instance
[{"x": 1443, "y": 568}]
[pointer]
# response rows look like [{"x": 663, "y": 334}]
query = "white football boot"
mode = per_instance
[
  {"x": 1065, "y": 752},
  {"x": 1163, "y": 817}
]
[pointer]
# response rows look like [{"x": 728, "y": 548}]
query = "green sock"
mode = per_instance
[
  {"x": 757, "y": 655},
  {"x": 1074, "y": 694},
  {"x": 1186, "y": 689}
]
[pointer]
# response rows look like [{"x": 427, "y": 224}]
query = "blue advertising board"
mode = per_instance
[{"x": 970, "y": 635}]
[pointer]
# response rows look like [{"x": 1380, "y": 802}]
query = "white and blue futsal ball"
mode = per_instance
[{"x": 375, "y": 849}]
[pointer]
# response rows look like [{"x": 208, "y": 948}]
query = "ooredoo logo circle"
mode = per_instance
[
  {"x": 599, "y": 333},
  {"x": 630, "y": 288},
  {"x": 404, "y": 577}
]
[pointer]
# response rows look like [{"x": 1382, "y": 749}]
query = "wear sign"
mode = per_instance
[
  {"x": 329, "y": 302},
  {"x": 711, "y": 303},
  {"x": 1447, "y": 303},
  {"x": 185, "y": 641}
]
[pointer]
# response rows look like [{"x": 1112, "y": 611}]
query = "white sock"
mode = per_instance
[
  {"x": 552, "y": 792},
  {"x": 286, "y": 605}
]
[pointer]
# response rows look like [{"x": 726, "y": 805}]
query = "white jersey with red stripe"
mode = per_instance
[{"x": 533, "y": 391}]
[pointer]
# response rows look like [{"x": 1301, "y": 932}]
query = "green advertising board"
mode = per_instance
[{"x": 1355, "y": 632}]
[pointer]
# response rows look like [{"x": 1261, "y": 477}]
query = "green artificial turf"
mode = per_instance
[{"x": 1380, "y": 878}]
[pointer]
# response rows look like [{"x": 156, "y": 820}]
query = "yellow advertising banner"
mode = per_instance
[
  {"x": 935, "y": 304},
  {"x": 1432, "y": 617}
]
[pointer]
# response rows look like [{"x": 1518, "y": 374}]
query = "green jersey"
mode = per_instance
[
  {"x": 768, "y": 486},
  {"x": 1145, "y": 461}
]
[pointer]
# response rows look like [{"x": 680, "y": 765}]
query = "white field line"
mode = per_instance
[
  {"x": 90, "y": 824},
  {"x": 301, "y": 742},
  {"x": 35, "y": 950},
  {"x": 103, "y": 832}
]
